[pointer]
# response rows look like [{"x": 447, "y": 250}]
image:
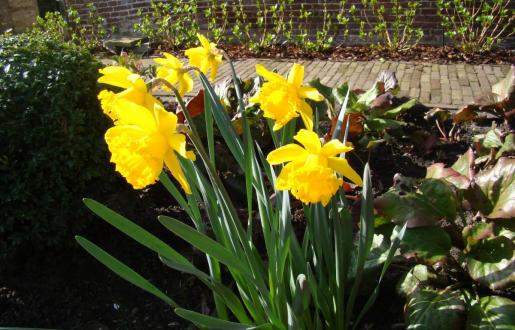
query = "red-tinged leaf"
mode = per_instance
[
  {"x": 195, "y": 106},
  {"x": 439, "y": 171},
  {"x": 465, "y": 114}
]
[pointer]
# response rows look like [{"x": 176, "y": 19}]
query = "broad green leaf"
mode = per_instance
[
  {"x": 415, "y": 279},
  {"x": 472, "y": 234},
  {"x": 430, "y": 309},
  {"x": 400, "y": 109},
  {"x": 378, "y": 252},
  {"x": 431, "y": 244},
  {"x": 492, "y": 140},
  {"x": 508, "y": 145},
  {"x": 209, "y": 322},
  {"x": 340, "y": 93},
  {"x": 123, "y": 270},
  {"x": 464, "y": 163},
  {"x": 491, "y": 262},
  {"x": 498, "y": 187},
  {"x": 439, "y": 171},
  {"x": 335, "y": 95},
  {"x": 380, "y": 124},
  {"x": 492, "y": 313},
  {"x": 433, "y": 201},
  {"x": 326, "y": 91},
  {"x": 369, "y": 96}
]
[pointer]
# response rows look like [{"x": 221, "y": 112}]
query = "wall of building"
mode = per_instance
[
  {"x": 17, "y": 14},
  {"x": 123, "y": 14}
]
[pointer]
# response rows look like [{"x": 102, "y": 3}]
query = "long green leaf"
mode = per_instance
[
  {"x": 209, "y": 322},
  {"x": 391, "y": 253},
  {"x": 223, "y": 122},
  {"x": 228, "y": 297},
  {"x": 123, "y": 270},
  {"x": 203, "y": 243},
  {"x": 366, "y": 236},
  {"x": 208, "y": 115},
  {"x": 140, "y": 235}
]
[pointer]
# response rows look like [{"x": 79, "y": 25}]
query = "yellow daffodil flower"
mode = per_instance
[
  {"x": 310, "y": 174},
  {"x": 206, "y": 57},
  {"x": 173, "y": 71},
  {"x": 143, "y": 140},
  {"x": 283, "y": 99},
  {"x": 135, "y": 89}
]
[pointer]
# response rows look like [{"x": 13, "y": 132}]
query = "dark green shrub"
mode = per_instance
[{"x": 52, "y": 151}]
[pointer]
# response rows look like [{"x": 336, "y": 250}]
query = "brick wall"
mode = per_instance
[
  {"x": 123, "y": 14},
  {"x": 17, "y": 14}
]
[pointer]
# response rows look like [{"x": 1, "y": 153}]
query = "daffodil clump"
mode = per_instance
[
  {"x": 145, "y": 135},
  {"x": 296, "y": 283}
]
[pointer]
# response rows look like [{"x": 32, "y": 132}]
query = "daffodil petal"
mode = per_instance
[
  {"x": 204, "y": 41},
  {"x": 191, "y": 155},
  {"x": 187, "y": 81},
  {"x": 287, "y": 153},
  {"x": 173, "y": 165},
  {"x": 178, "y": 143},
  {"x": 341, "y": 166},
  {"x": 334, "y": 147},
  {"x": 306, "y": 113},
  {"x": 166, "y": 121},
  {"x": 310, "y": 93},
  {"x": 130, "y": 113},
  {"x": 268, "y": 75},
  {"x": 282, "y": 182},
  {"x": 309, "y": 140},
  {"x": 195, "y": 55},
  {"x": 214, "y": 69},
  {"x": 115, "y": 76},
  {"x": 129, "y": 152},
  {"x": 296, "y": 75}
]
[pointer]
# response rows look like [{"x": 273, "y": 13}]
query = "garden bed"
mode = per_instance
[{"x": 421, "y": 53}]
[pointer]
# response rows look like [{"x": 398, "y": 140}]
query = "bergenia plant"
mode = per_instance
[{"x": 310, "y": 281}]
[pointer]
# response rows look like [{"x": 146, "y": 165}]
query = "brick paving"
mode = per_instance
[{"x": 435, "y": 85}]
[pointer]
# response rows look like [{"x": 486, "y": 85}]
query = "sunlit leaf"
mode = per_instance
[
  {"x": 491, "y": 262},
  {"x": 429, "y": 244},
  {"x": 492, "y": 313},
  {"x": 498, "y": 187},
  {"x": 439, "y": 171},
  {"x": 433, "y": 201},
  {"x": 431, "y": 309}
]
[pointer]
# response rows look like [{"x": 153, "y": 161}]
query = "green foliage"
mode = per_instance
[
  {"x": 89, "y": 34},
  {"x": 371, "y": 116},
  {"x": 476, "y": 25},
  {"x": 52, "y": 149},
  {"x": 482, "y": 247},
  {"x": 217, "y": 16},
  {"x": 388, "y": 26},
  {"x": 170, "y": 24}
]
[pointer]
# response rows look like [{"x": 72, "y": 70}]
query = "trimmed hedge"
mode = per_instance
[{"x": 52, "y": 151}]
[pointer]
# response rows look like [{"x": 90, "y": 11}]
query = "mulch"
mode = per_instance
[
  {"x": 427, "y": 54},
  {"x": 421, "y": 53}
]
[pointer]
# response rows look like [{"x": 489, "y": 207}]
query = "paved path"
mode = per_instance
[{"x": 442, "y": 85}]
